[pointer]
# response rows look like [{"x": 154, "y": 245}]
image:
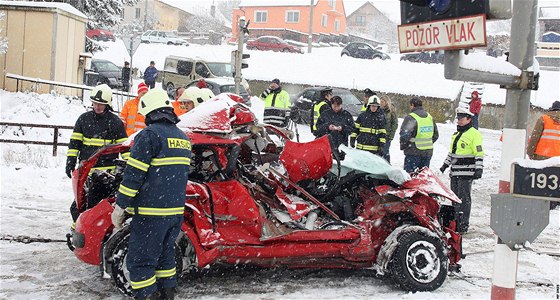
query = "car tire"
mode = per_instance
[
  {"x": 170, "y": 88},
  {"x": 285, "y": 50},
  {"x": 344, "y": 54},
  {"x": 419, "y": 262},
  {"x": 376, "y": 57},
  {"x": 95, "y": 38},
  {"x": 169, "y": 43},
  {"x": 189, "y": 262},
  {"x": 119, "y": 270}
]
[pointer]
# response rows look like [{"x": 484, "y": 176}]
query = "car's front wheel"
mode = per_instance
[
  {"x": 170, "y": 43},
  {"x": 344, "y": 54},
  {"x": 170, "y": 90},
  {"x": 419, "y": 262}
]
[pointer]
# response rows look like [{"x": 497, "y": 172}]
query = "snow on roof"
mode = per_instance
[
  {"x": 550, "y": 12},
  {"x": 246, "y": 3},
  {"x": 52, "y": 5},
  {"x": 198, "y": 8},
  {"x": 390, "y": 8}
]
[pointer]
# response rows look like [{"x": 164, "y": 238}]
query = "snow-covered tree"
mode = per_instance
[
  {"x": 227, "y": 7},
  {"x": 3, "y": 40},
  {"x": 202, "y": 23}
]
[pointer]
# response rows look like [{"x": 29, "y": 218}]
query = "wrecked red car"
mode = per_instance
[{"x": 256, "y": 197}]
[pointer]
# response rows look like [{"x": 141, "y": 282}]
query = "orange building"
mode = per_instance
[{"x": 328, "y": 16}]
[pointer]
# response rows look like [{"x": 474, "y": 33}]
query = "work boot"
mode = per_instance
[{"x": 167, "y": 294}]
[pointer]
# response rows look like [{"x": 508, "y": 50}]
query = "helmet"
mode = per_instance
[
  {"x": 154, "y": 99},
  {"x": 193, "y": 94},
  {"x": 102, "y": 94},
  {"x": 463, "y": 110},
  {"x": 325, "y": 91},
  {"x": 206, "y": 94},
  {"x": 369, "y": 92},
  {"x": 373, "y": 100}
]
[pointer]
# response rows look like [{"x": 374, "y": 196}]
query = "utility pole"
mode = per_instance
[
  {"x": 239, "y": 53},
  {"x": 145, "y": 15},
  {"x": 310, "y": 36},
  {"x": 521, "y": 55}
]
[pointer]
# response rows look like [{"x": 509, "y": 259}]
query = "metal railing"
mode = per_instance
[{"x": 54, "y": 143}]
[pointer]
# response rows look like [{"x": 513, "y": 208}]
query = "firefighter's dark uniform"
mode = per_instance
[
  {"x": 153, "y": 190},
  {"x": 466, "y": 161},
  {"x": 370, "y": 133},
  {"x": 92, "y": 132}
]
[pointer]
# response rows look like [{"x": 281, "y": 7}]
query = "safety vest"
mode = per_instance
[
  {"x": 424, "y": 133},
  {"x": 465, "y": 153},
  {"x": 317, "y": 113},
  {"x": 133, "y": 121},
  {"x": 549, "y": 143}
]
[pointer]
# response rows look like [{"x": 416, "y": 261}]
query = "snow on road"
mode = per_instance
[{"x": 36, "y": 195}]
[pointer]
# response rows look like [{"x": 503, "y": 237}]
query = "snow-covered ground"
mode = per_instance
[{"x": 36, "y": 195}]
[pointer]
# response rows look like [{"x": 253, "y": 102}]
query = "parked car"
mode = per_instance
[
  {"x": 104, "y": 71},
  {"x": 178, "y": 71},
  {"x": 424, "y": 57},
  {"x": 165, "y": 37},
  {"x": 363, "y": 50},
  {"x": 272, "y": 43},
  {"x": 302, "y": 103},
  {"x": 220, "y": 85},
  {"x": 100, "y": 35},
  {"x": 250, "y": 200}
]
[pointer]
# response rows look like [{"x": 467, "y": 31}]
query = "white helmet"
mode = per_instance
[
  {"x": 374, "y": 100},
  {"x": 102, "y": 94},
  {"x": 206, "y": 94},
  {"x": 463, "y": 110},
  {"x": 152, "y": 100}
]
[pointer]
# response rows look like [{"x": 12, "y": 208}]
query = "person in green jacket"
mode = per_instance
[
  {"x": 391, "y": 125},
  {"x": 276, "y": 104}
]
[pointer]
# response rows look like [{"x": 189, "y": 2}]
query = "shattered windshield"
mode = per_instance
[{"x": 369, "y": 163}]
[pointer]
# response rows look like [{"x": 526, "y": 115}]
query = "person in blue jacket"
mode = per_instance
[
  {"x": 153, "y": 192},
  {"x": 151, "y": 75}
]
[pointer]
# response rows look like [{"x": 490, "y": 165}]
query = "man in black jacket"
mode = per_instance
[
  {"x": 336, "y": 122},
  {"x": 370, "y": 133},
  {"x": 93, "y": 130}
]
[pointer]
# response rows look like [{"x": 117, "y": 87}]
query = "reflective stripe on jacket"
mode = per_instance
[
  {"x": 465, "y": 153},
  {"x": 133, "y": 121},
  {"x": 276, "y": 108},
  {"x": 549, "y": 143},
  {"x": 424, "y": 132},
  {"x": 317, "y": 108},
  {"x": 155, "y": 178},
  {"x": 370, "y": 131}
]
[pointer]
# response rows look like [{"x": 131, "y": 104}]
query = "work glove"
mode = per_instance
[
  {"x": 353, "y": 142},
  {"x": 477, "y": 174},
  {"x": 443, "y": 168},
  {"x": 70, "y": 165},
  {"x": 117, "y": 217}
]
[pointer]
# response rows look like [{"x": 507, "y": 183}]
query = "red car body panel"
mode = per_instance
[
  {"x": 94, "y": 224},
  {"x": 303, "y": 164}
]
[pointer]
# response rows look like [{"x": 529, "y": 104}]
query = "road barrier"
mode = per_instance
[{"x": 54, "y": 143}]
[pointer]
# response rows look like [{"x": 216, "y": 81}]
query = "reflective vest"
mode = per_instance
[
  {"x": 465, "y": 153},
  {"x": 317, "y": 113},
  {"x": 133, "y": 121},
  {"x": 424, "y": 133},
  {"x": 549, "y": 143}
]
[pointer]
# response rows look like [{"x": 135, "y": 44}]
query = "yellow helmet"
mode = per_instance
[
  {"x": 193, "y": 94},
  {"x": 154, "y": 99},
  {"x": 102, "y": 94}
]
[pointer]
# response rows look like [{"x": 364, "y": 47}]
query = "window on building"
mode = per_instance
[
  {"x": 137, "y": 13},
  {"x": 332, "y": 3},
  {"x": 336, "y": 25},
  {"x": 324, "y": 20},
  {"x": 361, "y": 20},
  {"x": 261, "y": 16},
  {"x": 292, "y": 16}
]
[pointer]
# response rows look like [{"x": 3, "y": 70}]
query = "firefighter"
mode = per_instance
[
  {"x": 276, "y": 104},
  {"x": 134, "y": 121},
  {"x": 466, "y": 161},
  {"x": 320, "y": 107},
  {"x": 544, "y": 141},
  {"x": 417, "y": 137},
  {"x": 370, "y": 133},
  {"x": 93, "y": 130},
  {"x": 153, "y": 191}
]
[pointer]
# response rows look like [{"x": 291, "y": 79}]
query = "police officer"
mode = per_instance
[
  {"x": 466, "y": 161},
  {"x": 320, "y": 107},
  {"x": 153, "y": 191},
  {"x": 93, "y": 130},
  {"x": 417, "y": 137},
  {"x": 370, "y": 133},
  {"x": 276, "y": 104},
  {"x": 367, "y": 93}
]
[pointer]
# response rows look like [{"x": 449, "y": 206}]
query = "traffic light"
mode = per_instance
[
  {"x": 419, "y": 11},
  {"x": 244, "y": 63}
]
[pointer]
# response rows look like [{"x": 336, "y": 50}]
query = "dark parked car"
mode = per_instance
[
  {"x": 104, "y": 71},
  {"x": 363, "y": 50},
  {"x": 302, "y": 103},
  {"x": 100, "y": 35},
  {"x": 272, "y": 43},
  {"x": 425, "y": 57},
  {"x": 220, "y": 85}
]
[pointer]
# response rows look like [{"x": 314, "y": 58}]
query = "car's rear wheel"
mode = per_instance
[
  {"x": 169, "y": 43},
  {"x": 170, "y": 90},
  {"x": 119, "y": 269},
  {"x": 419, "y": 262},
  {"x": 285, "y": 50},
  {"x": 344, "y": 54}
]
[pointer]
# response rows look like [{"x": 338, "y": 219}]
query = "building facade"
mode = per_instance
[{"x": 369, "y": 22}]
